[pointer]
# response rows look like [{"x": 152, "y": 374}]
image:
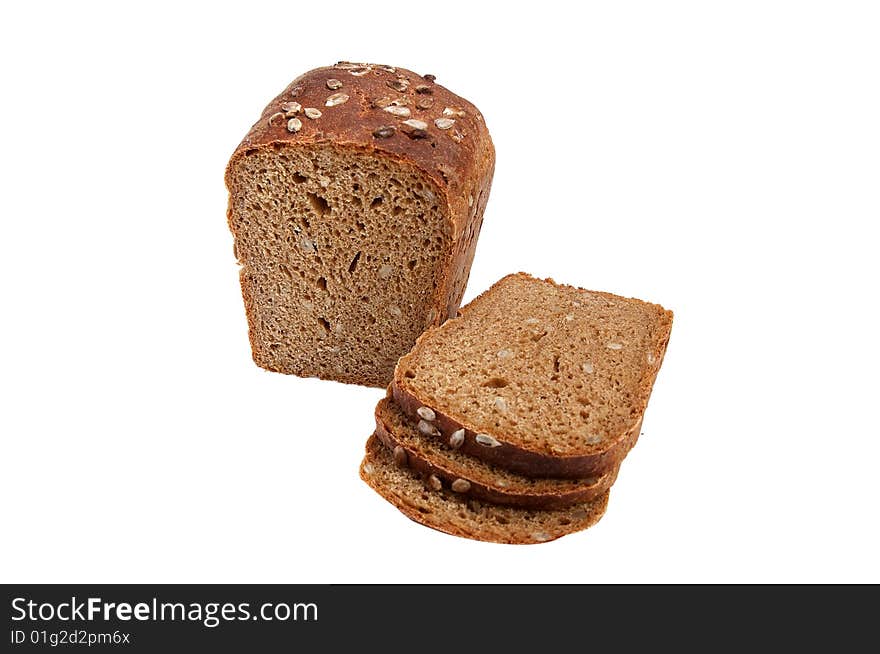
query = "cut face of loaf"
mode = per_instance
[
  {"x": 355, "y": 232},
  {"x": 449, "y": 512},
  {"x": 543, "y": 379}
]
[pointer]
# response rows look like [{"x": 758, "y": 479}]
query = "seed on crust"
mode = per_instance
[
  {"x": 295, "y": 91},
  {"x": 291, "y": 108},
  {"x": 486, "y": 441},
  {"x": 444, "y": 123},
  {"x": 400, "y": 84},
  {"x": 428, "y": 429},
  {"x": 294, "y": 125},
  {"x": 384, "y": 132},
  {"x": 312, "y": 113},
  {"x": 425, "y": 103},
  {"x": 336, "y": 99},
  {"x": 426, "y": 413},
  {"x": 415, "y": 123},
  {"x": 334, "y": 84},
  {"x": 424, "y": 88},
  {"x": 461, "y": 485},
  {"x": 381, "y": 103},
  {"x": 456, "y": 440},
  {"x": 400, "y": 457},
  {"x": 453, "y": 112},
  {"x": 429, "y": 77},
  {"x": 417, "y": 134},
  {"x": 435, "y": 483},
  {"x": 276, "y": 119},
  {"x": 360, "y": 71},
  {"x": 387, "y": 69},
  {"x": 401, "y": 112}
]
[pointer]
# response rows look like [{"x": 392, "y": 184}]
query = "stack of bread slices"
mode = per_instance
[{"x": 509, "y": 422}]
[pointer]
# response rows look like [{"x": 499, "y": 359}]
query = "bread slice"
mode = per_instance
[
  {"x": 446, "y": 511},
  {"x": 545, "y": 379},
  {"x": 442, "y": 466},
  {"x": 356, "y": 201}
]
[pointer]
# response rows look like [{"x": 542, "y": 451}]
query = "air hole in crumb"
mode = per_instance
[
  {"x": 556, "y": 363},
  {"x": 319, "y": 204},
  {"x": 585, "y": 415},
  {"x": 397, "y": 210},
  {"x": 321, "y": 283},
  {"x": 412, "y": 264},
  {"x": 354, "y": 263},
  {"x": 564, "y": 521},
  {"x": 409, "y": 374},
  {"x": 501, "y": 520},
  {"x": 377, "y": 201},
  {"x": 299, "y": 178},
  {"x": 495, "y": 382},
  {"x": 424, "y": 509},
  {"x": 324, "y": 324}
]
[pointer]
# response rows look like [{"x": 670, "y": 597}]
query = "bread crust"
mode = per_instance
[
  {"x": 459, "y": 161},
  {"x": 589, "y": 489},
  {"x": 520, "y": 459}
]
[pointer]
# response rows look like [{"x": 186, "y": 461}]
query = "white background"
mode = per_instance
[{"x": 722, "y": 159}]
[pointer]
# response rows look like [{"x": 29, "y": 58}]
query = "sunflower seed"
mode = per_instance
[
  {"x": 417, "y": 134},
  {"x": 312, "y": 113},
  {"x": 429, "y": 77},
  {"x": 335, "y": 99},
  {"x": 456, "y": 440},
  {"x": 415, "y": 123},
  {"x": 394, "y": 110},
  {"x": 501, "y": 483},
  {"x": 395, "y": 311},
  {"x": 291, "y": 108},
  {"x": 651, "y": 358},
  {"x": 400, "y": 457},
  {"x": 588, "y": 368},
  {"x": 400, "y": 84},
  {"x": 428, "y": 429},
  {"x": 614, "y": 346},
  {"x": 501, "y": 404},
  {"x": 368, "y": 468},
  {"x": 453, "y": 112},
  {"x": 592, "y": 439},
  {"x": 294, "y": 125},
  {"x": 540, "y": 537},
  {"x": 384, "y": 132},
  {"x": 360, "y": 71},
  {"x": 295, "y": 91},
  {"x": 334, "y": 84},
  {"x": 435, "y": 483},
  {"x": 486, "y": 441},
  {"x": 276, "y": 119},
  {"x": 384, "y": 273},
  {"x": 427, "y": 413},
  {"x": 387, "y": 69},
  {"x": 505, "y": 354},
  {"x": 424, "y": 88},
  {"x": 444, "y": 123},
  {"x": 532, "y": 321},
  {"x": 425, "y": 103},
  {"x": 461, "y": 485},
  {"x": 382, "y": 102},
  {"x": 307, "y": 245}
]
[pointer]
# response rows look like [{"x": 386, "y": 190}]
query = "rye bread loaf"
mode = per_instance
[
  {"x": 447, "y": 511},
  {"x": 545, "y": 379},
  {"x": 442, "y": 466},
  {"x": 356, "y": 201}
]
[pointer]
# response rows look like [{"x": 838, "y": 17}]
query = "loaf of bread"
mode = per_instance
[
  {"x": 356, "y": 201},
  {"x": 543, "y": 379},
  {"x": 450, "y": 512}
]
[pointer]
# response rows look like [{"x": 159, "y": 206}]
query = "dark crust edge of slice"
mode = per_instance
[
  {"x": 535, "y": 500},
  {"x": 595, "y": 508}
]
